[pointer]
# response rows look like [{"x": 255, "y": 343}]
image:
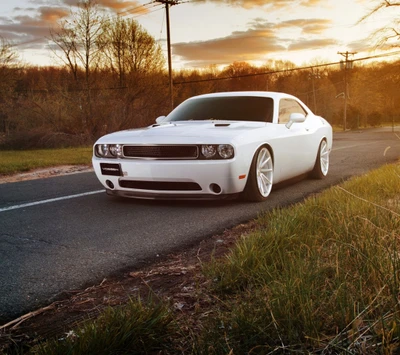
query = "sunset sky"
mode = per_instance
[{"x": 206, "y": 32}]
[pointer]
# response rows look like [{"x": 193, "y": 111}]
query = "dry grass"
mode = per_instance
[{"x": 15, "y": 161}]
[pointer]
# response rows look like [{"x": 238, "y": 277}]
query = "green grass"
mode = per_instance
[
  {"x": 320, "y": 277},
  {"x": 136, "y": 328},
  {"x": 12, "y": 161},
  {"x": 324, "y": 274}
]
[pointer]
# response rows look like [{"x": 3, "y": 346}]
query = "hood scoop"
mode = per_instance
[{"x": 222, "y": 124}]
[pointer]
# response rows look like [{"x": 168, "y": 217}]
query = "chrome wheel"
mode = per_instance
[
  {"x": 324, "y": 157},
  {"x": 264, "y": 172},
  {"x": 321, "y": 166}
]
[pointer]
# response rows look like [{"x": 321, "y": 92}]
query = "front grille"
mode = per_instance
[
  {"x": 161, "y": 151},
  {"x": 160, "y": 185}
]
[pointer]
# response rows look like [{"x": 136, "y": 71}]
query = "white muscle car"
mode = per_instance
[{"x": 216, "y": 146}]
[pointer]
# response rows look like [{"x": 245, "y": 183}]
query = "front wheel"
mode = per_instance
[
  {"x": 321, "y": 166},
  {"x": 261, "y": 175}
]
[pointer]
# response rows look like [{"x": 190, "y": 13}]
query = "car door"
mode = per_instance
[{"x": 293, "y": 147}]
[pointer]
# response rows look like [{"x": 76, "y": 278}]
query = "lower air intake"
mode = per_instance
[{"x": 160, "y": 185}]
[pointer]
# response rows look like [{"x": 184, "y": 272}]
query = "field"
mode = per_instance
[{"x": 16, "y": 161}]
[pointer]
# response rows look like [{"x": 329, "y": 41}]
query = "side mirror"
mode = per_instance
[
  {"x": 160, "y": 119},
  {"x": 295, "y": 118}
]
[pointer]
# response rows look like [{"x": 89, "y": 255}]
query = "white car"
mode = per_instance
[{"x": 216, "y": 146}]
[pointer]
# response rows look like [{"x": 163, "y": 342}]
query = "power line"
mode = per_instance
[
  {"x": 224, "y": 78},
  {"x": 129, "y": 11},
  {"x": 288, "y": 70}
]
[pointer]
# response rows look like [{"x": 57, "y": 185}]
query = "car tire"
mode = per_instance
[
  {"x": 261, "y": 175},
  {"x": 321, "y": 166}
]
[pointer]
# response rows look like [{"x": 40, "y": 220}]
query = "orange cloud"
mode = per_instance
[
  {"x": 239, "y": 46},
  {"x": 248, "y": 4},
  {"x": 51, "y": 15},
  {"x": 308, "y": 26},
  {"x": 310, "y": 44},
  {"x": 119, "y": 6},
  {"x": 256, "y": 43}
]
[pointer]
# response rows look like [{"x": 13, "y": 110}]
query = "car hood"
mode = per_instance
[{"x": 183, "y": 132}]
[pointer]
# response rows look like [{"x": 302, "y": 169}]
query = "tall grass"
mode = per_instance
[
  {"x": 15, "y": 161},
  {"x": 319, "y": 275},
  {"x": 136, "y": 328}
]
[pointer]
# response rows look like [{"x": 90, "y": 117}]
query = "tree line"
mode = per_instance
[{"x": 112, "y": 76}]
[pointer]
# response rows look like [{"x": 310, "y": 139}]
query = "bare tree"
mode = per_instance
[
  {"x": 65, "y": 41},
  {"x": 389, "y": 34},
  {"x": 8, "y": 59},
  {"x": 78, "y": 41},
  {"x": 130, "y": 50},
  {"x": 7, "y": 54},
  {"x": 8, "y": 75},
  {"x": 78, "y": 38}
]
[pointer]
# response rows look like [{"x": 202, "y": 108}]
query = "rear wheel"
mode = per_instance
[
  {"x": 261, "y": 176},
  {"x": 321, "y": 166}
]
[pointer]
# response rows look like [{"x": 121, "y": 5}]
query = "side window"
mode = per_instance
[{"x": 288, "y": 106}]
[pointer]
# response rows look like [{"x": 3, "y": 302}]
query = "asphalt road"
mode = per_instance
[{"x": 64, "y": 233}]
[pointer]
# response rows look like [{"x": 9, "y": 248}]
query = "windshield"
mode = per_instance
[{"x": 231, "y": 108}]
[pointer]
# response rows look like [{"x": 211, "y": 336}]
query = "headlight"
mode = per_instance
[
  {"x": 225, "y": 151},
  {"x": 116, "y": 150},
  {"x": 217, "y": 151},
  {"x": 102, "y": 150},
  {"x": 208, "y": 150},
  {"x": 108, "y": 150}
]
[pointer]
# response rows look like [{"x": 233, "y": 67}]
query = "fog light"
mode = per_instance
[
  {"x": 110, "y": 184},
  {"x": 216, "y": 188}
]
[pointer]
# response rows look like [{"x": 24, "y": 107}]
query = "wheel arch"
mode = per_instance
[
  {"x": 316, "y": 171},
  {"x": 250, "y": 186},
  {"x": 324, "y": 138},
  {"x": 264, "y": 144},
  {"x": 267, "y": 145}
]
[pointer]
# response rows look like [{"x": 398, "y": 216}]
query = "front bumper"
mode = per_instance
[{"x": 157, "y": 179}]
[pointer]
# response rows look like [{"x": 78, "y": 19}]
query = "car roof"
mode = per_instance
[{"x": 270, "y": 94}]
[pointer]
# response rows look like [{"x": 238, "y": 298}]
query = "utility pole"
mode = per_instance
[
  {"x": 314, "y": 75},
  {"x": 346, "y": 65},
  {"x": 167, "y": 4}
]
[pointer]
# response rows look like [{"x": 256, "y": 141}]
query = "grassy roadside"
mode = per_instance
[
  {"x": 15, "y": 161},
  {"x": 318, "y": 277}
]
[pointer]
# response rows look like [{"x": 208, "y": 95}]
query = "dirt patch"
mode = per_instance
[
  {"x": 177, "y": 279},
  {"x": 45, "y": 173}
]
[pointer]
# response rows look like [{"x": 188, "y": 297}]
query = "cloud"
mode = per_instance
[
  {"x": 29, "y": 27},
  {"x": 51, "y": 15},
  {"x": 248, "y": 4},
  {"x": 311, "y": 44},
  {"x": 275, "y": 4},
  {"x": 255, "y": 44},
  {"x": 308, "y": 26},
  {"x": 239, "y": 46},
  {"x": 119, "y": 6},
  {"x": 311, "y": 3},
  {"x": 32, "y": 30}
]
